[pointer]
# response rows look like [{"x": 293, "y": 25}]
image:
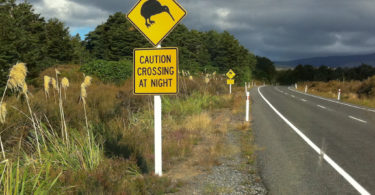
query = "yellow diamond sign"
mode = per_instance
[
  {"x": 230, "y": 74},
  {"x": 155, "y": 19}
]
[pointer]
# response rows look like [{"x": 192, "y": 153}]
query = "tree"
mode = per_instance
[
  {"x": 265, "y": 69},
  {"x": 25, "y": 36}
]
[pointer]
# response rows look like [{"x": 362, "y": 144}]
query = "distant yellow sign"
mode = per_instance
[
  {"x": 230, "y": 82},
  {"x": 155, "y": 19},
  {"x": 155, "y": 71},
  {"x": 230, "y": 74}
]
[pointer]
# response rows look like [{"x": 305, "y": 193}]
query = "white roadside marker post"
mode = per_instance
[
  {"x": 339, "y": 95},
  {"x": 245, "y": 87},
  {"x": 230, "y": 88},
  {"x": 306, "y": 89},
  {"x": 158, "y": 133},
  {"x": 296, "y": 86},
  {"x": 247, "y": 105}
]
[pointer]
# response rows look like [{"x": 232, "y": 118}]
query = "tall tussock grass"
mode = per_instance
[
  {"x": 70, "y": 133},
  {"x": 27, "y": 164}
]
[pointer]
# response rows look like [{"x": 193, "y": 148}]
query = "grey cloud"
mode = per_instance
[{"x": 279, "y": 29}]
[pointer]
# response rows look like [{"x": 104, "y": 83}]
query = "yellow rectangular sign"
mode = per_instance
[
  {"x": 155, "y": 71},
  {"x": 230, "y": 82}
]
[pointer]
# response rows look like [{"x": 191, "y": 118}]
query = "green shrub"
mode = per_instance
[
  {"x": 109, "y": 71},
  {"x": 193, "y": 104}
]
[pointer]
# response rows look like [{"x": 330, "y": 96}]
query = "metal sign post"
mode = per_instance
[{"x": 156, "y": 70}]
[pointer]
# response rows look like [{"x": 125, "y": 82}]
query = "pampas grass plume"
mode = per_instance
[
  {"x": 17, "y": 76},
  {"x": 207, "y": 80},
  {"x": 87, "y": 81},
  {"x": 65, "y": 83},
  {"x": 47, "y": 81},
  {"x": 191, "y": 78},
  {"x": 3, "y": 112},
  {"x": 54, "y": 84},
  {"x": 83, "y": 93},
  {"x": 25, "y": 89}
]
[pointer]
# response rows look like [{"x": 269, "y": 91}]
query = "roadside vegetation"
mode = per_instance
[
  {"x": 78, "y": 129},
  {"x": 85, "y": 136},
  {"x": 356, "y": 92}
]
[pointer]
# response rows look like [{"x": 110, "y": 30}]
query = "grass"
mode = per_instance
[
  {"x": 355, "y": 92},
  {"x": 101, "y": 142}
]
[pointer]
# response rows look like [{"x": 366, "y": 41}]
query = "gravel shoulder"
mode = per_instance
[{"x": 232, "y": 174}]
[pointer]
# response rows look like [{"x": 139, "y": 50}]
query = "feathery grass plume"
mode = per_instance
[
  {"x": 54, "y": 83},
  {"x": 207, "y": 80},
  {"x": 65, "y": 83},
  {"x": 57, "y": 71},
  {"x": 191, "y": 78},
  {"x": 17, "y": 76},
  {"x": 25, "y": 89},
  {"x": 87, "y": 81},
  {"x": 83, "y": 93},
  {"x": 3, "y": 112},
  {"x": 47, "y": 82}
]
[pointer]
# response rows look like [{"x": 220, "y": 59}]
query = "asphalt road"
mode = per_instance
[{"x": 312, "y": 146}]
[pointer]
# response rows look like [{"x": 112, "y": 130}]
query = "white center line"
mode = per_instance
[
  {"x": 293, "y": 96},
  {"x": 303, "y": 100},
  {"x": 328, "y": 159},
  {"x": 357, "y": 119},
  {"x": 321, "y": 106}
]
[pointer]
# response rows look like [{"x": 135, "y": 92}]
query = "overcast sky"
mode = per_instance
[{"x": 278, "y": 29}]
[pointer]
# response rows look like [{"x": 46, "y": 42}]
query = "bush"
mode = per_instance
[{"x": 109, "y": 71}]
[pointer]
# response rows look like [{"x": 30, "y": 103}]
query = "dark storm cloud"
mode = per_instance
[{"x": 279, "y": 29}]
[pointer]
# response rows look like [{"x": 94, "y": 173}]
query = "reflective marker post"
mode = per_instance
[
  {"x": 247, "y": 106},
  {"x": 158, "y": 133},
  {"x": 339, "y": 95}
]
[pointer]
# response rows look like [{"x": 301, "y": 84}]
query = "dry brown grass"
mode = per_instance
[
  {"x": 207, "y": 131},
  {"x": 123, "y": 123},
  {"x": 356, "y": 92}
]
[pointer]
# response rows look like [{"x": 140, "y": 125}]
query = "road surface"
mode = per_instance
[{"x": 310, "y": 145}]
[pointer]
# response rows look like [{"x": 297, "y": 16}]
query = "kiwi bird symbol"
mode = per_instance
[{"x": 151, "y": 8}]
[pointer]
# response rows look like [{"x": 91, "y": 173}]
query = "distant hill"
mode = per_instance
[{"x": 331, "y": 61}]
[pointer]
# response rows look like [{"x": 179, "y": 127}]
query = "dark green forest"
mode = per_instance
[
  {"x": 324, "y": 73},
  {"x": 28, "y": 37},
  {"x": 199, "y": 51}
]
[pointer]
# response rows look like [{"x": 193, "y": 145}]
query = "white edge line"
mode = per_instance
[
  {"x": 341, "y": 171},
  {"x": 368, "y": 109},
  {"x": 360, "y": 120},
  {"x": 321, "y": 106}
]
